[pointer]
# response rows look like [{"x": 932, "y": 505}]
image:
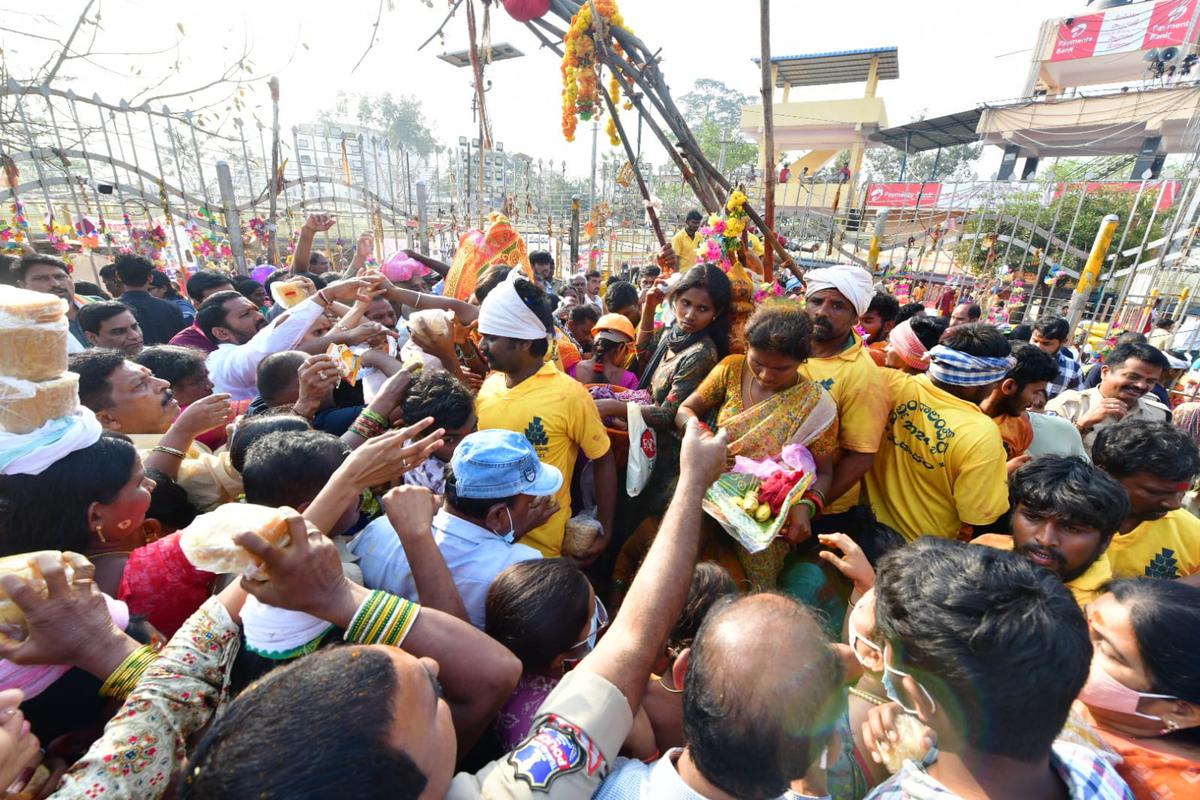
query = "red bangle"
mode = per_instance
[
  {"x": 815, "y": 499},
  {"x": 321, "y": 296}
]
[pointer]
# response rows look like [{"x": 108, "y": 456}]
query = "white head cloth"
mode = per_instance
[
  {"x": 854, "y": 283},
  {"x": 32, "y": 453},
  {"x": 504, "y": 313},
  {"x": 279, "y": 632}
]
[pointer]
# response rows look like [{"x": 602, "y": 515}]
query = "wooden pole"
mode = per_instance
[
  {"x": 768, "y": 103},
  {"x": 273, "y": 252}
]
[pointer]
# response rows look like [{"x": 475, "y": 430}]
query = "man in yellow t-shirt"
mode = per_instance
[
  {"x": 1156, "y": 463},
  {"x": 834, "y": 299},
  {"x": 687, "y": 240},
  {"x": 940, "y": 469},
  {"x": 1065, "y": 512},
  {"x": 554, "y": 411}
]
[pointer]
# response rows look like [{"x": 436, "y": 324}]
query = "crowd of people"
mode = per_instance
[{"x": 501, "y": 570}]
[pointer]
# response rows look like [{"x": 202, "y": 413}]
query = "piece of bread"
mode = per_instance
[
  {"x": 33, "y": 334},
  {"x": 579, "y": 534},
  {"x": 28, "y": 405},
  {"x": 288, "y": 293},
  {"x": 208, "y": 542},
  {"x": 21, "y": 566},
  {"x": 23, "y": 307}
]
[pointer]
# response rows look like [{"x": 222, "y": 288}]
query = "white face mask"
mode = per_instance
[
  {"x": 889, "y": 688},
  {"x": 511, "y": 536},
  {"x": 855, "y": 638}
]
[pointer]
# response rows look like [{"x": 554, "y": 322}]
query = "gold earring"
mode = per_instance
[{"x": 100, "y": 533}]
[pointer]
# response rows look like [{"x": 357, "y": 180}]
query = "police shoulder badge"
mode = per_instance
[{"x": 554, "y": 749}]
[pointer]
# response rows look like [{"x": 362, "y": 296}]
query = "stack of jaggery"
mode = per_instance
[{"x": 35, "y": 386}]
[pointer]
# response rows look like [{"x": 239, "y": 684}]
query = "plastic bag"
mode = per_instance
[
  {"x": 581, "y": 532},
  {"x": 723, "y": 500},
  {"x": 643, "y": 452}
]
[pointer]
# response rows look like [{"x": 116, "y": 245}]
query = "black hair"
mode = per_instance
[
  {"x": 602, "y": 349},
  {"x": 782, "y": 328},
  {"x": 489, "y": 280},
  {"x": 695, "y": 214},
  {"x": 471, "y": 507},
  {"x": 247, "y": 286},
  {"x": 274, "y": 277},
  {"x": 535, "y": 300},
  {"x": 1033, "y": 365},
  {"x": 584, "y": 313},
  {"x": 1021, "y": 333},
  {"x": 1130, "y": 337},
  {"x": 93, "y": 315},
  {"x": 710, "y": 278},
  {"x": 752, "y": 741},
  {"x": 8, "y": 274},
  {"x": 621, "y": 294},
  {"x": 205, "y": 281},
  {"x": 1053, "y": 328},
  {"x": 1070, "y": 488},
  {"x": 710, "y": 583},
  {"x": 909, "y": 310},
  {"x": 88, "y": 289},
  {"x": 212, "y": 314},
  {"x": 251, "y": 429},
  {"x": 536, "y": 609},
  {"x": 438, "y": 394},
  {"x": 159, "y": 280},
  {"x": 50, "y": 511},
  {"x": 27, "y": 263},
  {"x": 974, "y": 312},
  {"x": 336, "y": 706},
  {"x": 592, "y": 273},
  {"x": 171, "y": 362},
  {"x": 1165, "y": 323},
  {"x": 1166, "y": 623},
  {"x": 541, "y": 257},
  {"x": 928, "y": 330},
  {"x": 133, "y": 270},
  {"x": 1139, "y": 351},
  {"x": 1135, "y": 445},
  {"x": 886, "y": 306},
  {"x": 277, "y": 374},
  {"x": 318, "y": 280},
  {"x": 977, "y": 339},
  {"x": 109, "y": 271},
  {"x": 649, "y": 271},
  {"x": 169, "y": 503},
  {"x": 95, "y": 368},
  {"x": 290, "y": 469},
  {"x": 983, "y": 631}
]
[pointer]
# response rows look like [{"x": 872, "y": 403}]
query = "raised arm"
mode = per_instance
[
  {"x": 626, "y": 655},
  {"x": 410, "y": 509},
  {"x": 314, "y": 224},
  {"x": 439, "y": 267}
]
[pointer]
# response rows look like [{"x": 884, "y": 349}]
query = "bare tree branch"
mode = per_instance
[
  {"x": 62, "y": 56},
  {"x": 374, "y": 31}
]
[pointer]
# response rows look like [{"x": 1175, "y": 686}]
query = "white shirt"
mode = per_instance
[
  {"x": 474, "y": 556},
  {"x": 233, "y": 368},
  {"x": 633, "y": 780}
]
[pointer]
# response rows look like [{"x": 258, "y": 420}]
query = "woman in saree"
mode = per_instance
[
  {"x": 676, "y": 359},
  {"x": 764, "y": 404}
]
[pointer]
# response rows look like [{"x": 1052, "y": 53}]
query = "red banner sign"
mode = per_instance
[
  {"x": 1167, "y": 23},
  {"x": 1167, "y": 198}
]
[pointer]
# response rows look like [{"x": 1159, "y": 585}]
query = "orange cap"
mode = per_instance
[{"x": 617, "y": 323}]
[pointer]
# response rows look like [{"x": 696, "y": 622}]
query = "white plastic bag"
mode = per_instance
[{"x": 643, "y": 450}]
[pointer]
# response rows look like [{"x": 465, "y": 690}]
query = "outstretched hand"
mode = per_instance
[
  {"x": 386, "y": 458},
  {"x": 703, "y": 456}
]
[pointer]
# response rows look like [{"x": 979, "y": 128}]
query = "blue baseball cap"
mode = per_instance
[{"x": 497, "y": 463}]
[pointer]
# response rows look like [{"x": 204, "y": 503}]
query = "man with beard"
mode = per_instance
[
  {"x": 551, "y": 409},
  {"x": 244, "y": 337},
  {"x": 50, "y": 275},
  {"x": 1064, "y": 515},
  {"x": 835, "y": 298},
  {"x": 1023, "y": 387},
  {"x": 940, "y": 470},
  {"x": 1156, "y": 463},
  {"x": 1129, "y": 373}
]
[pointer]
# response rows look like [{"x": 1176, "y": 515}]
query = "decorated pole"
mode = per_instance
[
  {"x": 1091, "y": 271},
  {"x": 768, "y": 100}
]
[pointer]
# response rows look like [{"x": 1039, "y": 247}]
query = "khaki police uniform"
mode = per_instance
[{"x": 572, "y": 745}]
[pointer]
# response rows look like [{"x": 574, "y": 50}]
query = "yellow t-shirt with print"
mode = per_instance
[
  {"x": 941, "y": 464},
  {"x": 858, "y": 388},
  {"x": 1160, "y": 548},
  {"x": 559, "y": 418},
  {"x": 685, "y": 248}
]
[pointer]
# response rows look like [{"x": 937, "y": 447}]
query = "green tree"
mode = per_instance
[
  {"x": 713, "y": 111},
  {"x": 401, "y": 119},
  {"x": 953, "y": 164}
]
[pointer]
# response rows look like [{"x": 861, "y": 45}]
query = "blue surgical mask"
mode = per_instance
[{"x": 889, "y": 688}]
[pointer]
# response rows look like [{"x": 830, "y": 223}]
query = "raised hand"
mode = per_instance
[
  {"x": 204, "y": 415},
  {"x": 852, "y": 562},
  {"x": 386, "y": 458},
  {"x": 317, "y": 223},
  {"x": 703, "y": 456}
]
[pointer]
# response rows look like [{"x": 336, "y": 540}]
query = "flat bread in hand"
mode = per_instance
[{"x": 208, "y": 542}]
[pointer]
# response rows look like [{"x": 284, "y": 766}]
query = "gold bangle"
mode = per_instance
[
  {"x": 170, "y": 451},
  {"x": 125, "y": 677}
]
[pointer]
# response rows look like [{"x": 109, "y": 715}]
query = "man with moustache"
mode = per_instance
[
  {"x": 1156, "y": 463},
  {"x": 1065, "y": 513},
  {"x": 835, "y": 298},
  {"x": 50, "y": 275},
  {"x": 111, "y": 323},
  {"x": 244, "y": 337}
]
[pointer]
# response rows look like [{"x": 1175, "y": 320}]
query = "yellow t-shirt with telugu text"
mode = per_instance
[
  {"x": 941, "y": 464},
  {"x": 559, "y": 418},
  {"x": 1160, "y": 548},
  {"x": 858, "y": 388},
  {"x": 685, "y": 248}
]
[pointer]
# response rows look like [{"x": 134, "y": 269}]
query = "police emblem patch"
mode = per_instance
[{"x": 546, "y": 755}]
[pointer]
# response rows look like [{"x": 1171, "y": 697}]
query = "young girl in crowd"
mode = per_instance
[{"x": 611, "y": 337}]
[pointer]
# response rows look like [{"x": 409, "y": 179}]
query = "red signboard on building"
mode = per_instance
[
  {"x": 1167, "y": 23},
  {"x": 903, "y": 195},
  {"x": 1077, "y": 40}
]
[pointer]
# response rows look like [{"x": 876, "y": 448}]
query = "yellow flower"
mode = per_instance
[
  {"x": 736, "y": 201},
  {"x": 734, "y": 226}
]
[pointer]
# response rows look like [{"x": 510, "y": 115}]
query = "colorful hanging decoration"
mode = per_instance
[
  {"x": 581, "y": 70},
  {"x": 261, "y": 230},
  {"x": 526, "y": 10},
  {"x": 723, "y": 235}
]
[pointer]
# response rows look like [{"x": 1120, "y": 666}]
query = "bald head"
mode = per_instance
[{"x": 756, "y": 718}]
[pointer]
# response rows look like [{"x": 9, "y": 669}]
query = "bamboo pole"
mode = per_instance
[{"x": 768, "y": 99}]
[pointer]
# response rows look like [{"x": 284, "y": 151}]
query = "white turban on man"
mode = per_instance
[{"x": 853, "y": 283}]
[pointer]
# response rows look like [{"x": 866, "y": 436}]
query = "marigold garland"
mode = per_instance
[{"x": 581, "y": 71}]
